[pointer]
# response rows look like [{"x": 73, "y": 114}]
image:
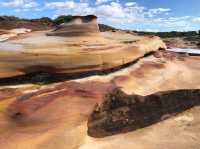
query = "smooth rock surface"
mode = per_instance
[{"x": 35, "y": 51}]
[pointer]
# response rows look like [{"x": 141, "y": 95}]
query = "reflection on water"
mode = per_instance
[{"x": 190, "y": 51}]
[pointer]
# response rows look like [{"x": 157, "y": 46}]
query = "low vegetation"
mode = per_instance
[
  {"x": 170, "y": 34},
  {"x": 190, "y": 38},
  {"x": 62, "y": 19},
  {"x": 9, "y": 18},
  {"x": 104, "y": 28},
  {"x": 14, "y": 22},
  {"x": 9, "y": 22}
]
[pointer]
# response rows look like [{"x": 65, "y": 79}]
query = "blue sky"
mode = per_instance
[{"x": 147, "y": 15}]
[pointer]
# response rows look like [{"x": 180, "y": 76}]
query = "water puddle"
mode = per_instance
[{"x": 189, "y": 51}]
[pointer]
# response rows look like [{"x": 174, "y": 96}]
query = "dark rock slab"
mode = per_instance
[{"x": 123, "y": 113}]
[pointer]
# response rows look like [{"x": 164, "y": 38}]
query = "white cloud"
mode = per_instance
[
  {"x": 183, "y": 23},
  {"x": 196, "y": 19},
  {"x": 113, "y": 12},
  {"x": 127, "y": 14},
  {"x": 70, "y": 7},
  {"x": 102, "y": 1},
  {"x": 61, "y": 5},
  {"x": 130, "y": 4},
  {"x": 157, "y": 11},
  {"x": 23, "y": 4}
]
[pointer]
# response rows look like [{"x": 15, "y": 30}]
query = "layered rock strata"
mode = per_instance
[
  {"x": 79, "y": 25},
  {"x": 56, "y": 115},
  {"x": 36, "y": 52}
]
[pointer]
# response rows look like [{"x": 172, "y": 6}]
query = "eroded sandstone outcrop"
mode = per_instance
[
  {"x": 36, "y": 52},
  {"x": 79, "y": 25},
  {"x": 122, "y": 113},
  {"x": 147, "y": 86},
  {"x": 7, "y": 34},
  {"x": 56, "y": 115}
]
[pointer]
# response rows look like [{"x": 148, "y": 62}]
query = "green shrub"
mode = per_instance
[
  {"x": 9, "y": 18},
  {"x": 103, "y": 28},
  {"x": 169, "y": 34},
  {"x": 63, "y": 19}
]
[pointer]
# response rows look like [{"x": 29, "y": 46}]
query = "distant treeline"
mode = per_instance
[
  {"x": 66, "y": 18},
  {"x": 13, "y": 18},
  {"x": 46, "y": 20},
  {"x": 170, "y": 34},
  {"x": 58, "y": 20}
]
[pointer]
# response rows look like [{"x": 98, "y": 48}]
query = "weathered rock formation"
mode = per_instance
[
  {"x": 122, "y": 113},
  {"x": 79, "y": 25},
  {"x": 36, "y": 52},
  {"x": 55, "y": 116},
  {"x": 142, "y": 86},
  {"x": 7, "y": 34}
]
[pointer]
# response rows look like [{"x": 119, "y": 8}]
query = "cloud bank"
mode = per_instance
[{"x": 130, "y": 15}]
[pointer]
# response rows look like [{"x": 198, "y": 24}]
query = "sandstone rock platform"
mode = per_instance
[
  {"x": 127, "y": 107},
  {"x": 35, "y": 51},
  {"x": 56, "y": 115}
]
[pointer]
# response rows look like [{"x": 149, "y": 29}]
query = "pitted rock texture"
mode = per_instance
[{"x": 122, "y": 113}]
